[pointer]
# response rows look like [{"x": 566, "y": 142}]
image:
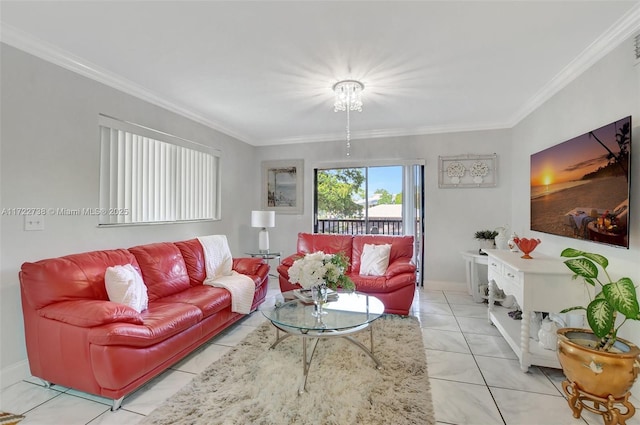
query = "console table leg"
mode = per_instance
[
  {"x": 475, "y": 284},
  {"x": 492, "y": 286},
  {"x": 524, "y": 340}
]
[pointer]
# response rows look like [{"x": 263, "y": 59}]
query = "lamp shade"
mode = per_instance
[{"x": 263, "y": 218}]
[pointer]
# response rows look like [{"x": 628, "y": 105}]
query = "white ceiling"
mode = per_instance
[{"x": 262, "y": 71}]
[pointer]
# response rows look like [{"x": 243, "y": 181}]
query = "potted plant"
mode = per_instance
[
  {"x": 600, "y": 366},
  {"x": 486, "y": 238}
]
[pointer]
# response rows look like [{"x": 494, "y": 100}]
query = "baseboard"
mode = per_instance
[
  {"x": 14, "y": 373},
  {"x": 438, "y": 285}
]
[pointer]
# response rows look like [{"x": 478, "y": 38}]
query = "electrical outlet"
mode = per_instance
[{"x": 33, "y": 222}]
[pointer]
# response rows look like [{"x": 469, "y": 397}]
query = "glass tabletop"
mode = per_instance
[
  {"x": 350, "y": 310},
  {"x": 265, "y": 254}
]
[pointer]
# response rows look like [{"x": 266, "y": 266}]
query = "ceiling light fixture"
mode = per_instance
[{"x": 348, "y": 98}]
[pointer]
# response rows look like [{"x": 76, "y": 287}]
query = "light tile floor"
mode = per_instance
[{"x": 474, "y": 376}]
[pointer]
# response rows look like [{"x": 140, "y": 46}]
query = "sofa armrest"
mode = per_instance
[
  {"x": 248, "y": 266},
  {"x": 400, "y": 266},
  {"x": 288, "y": 261},
  {"x": 90, "y": 313}
]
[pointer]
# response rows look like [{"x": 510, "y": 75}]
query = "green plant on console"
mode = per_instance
[
  {"x": 613, "y": 298},
  {"x": 485, "y": 234}
]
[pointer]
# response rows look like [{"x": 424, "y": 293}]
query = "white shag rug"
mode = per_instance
[{"x": 252, "y": 384}]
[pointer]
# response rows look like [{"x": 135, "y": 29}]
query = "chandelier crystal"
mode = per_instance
[{"x": 348, "y": 98}]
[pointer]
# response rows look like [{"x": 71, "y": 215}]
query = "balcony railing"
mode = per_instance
[{"x": 392, "y": 226}]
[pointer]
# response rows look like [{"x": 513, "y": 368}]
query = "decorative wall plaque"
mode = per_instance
[{"x": 468, "y": 171}]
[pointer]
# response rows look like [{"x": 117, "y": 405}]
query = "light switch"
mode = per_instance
[{"x": 33, "y": 222}]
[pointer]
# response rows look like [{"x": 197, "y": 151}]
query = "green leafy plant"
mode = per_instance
[
  {"x": 485, "y": 234},
  {"x": 613, "y": 298}
]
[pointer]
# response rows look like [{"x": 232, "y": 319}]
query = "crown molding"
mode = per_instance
[
  {"x": 37, "y": 47},
  {"x": 380, "y": 133},
  {"x": 622, "y": 29}
]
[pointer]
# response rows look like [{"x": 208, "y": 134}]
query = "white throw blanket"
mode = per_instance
[{"x": 218, "y": 262}]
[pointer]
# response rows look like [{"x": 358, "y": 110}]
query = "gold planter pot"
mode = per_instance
[
  {"x": 598, "y": 373},
  {"x": 597, "y": 380}
]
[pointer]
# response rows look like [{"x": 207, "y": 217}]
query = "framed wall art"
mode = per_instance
[
  {"x": 282, "y": 186},
  {"x": 580, "y": 188},
  {"x": 468, "y": 171}
]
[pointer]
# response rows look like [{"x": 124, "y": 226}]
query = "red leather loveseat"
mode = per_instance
[
  {"x": 395, "y": 288},
  {"x": 77, "y": 338}
]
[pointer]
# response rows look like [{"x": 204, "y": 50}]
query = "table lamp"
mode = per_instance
[{"x": 263, "y": 219}]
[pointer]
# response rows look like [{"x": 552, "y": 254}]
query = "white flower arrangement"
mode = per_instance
[
  {"x": 318, "y": 268},
  {"x": 456, "y": 169},
  {"x": 479, "y": 169}
]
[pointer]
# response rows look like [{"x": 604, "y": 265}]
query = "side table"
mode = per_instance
[
  {"x": 266, "y": 255},
  {"x": 472, "y": 259}
]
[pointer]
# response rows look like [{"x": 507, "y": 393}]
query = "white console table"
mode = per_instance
[{"x": 540, "y": 284}]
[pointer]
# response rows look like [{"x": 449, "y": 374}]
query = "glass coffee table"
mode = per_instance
[{"x": 351, "y": 313}]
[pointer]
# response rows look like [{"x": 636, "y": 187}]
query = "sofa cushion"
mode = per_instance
[
  {"x": 125, "y": 286},
  {"x": 374, "y": 260},
  {"x": 163, "y": 269},
  {"x": 193, "y": 256},
  {"x": 382, "y": 284},
  {"x": 327, "y": 243},
  {"x": 160, "y": 321},
  {"x": 207, "y": 298},
  {"x": 73, "y": 277}
]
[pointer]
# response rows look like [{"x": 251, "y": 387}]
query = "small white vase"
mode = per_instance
[{"x": 502, "y": 239}]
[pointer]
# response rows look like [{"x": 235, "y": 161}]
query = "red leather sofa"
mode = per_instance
[
  {"x": 395, "y": 289},
  {"x": 77, "y": 338}
]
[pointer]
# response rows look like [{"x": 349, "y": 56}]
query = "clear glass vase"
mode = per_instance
[{"x": 319, "y": 294}]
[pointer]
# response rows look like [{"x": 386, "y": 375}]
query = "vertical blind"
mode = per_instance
[{"x": 150, "y": 177}]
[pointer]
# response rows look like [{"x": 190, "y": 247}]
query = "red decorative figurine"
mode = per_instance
[{"x": 526, "y": 246}]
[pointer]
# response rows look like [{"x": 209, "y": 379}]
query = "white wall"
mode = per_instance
[
  {"x": 607, "y": 91},
  {"x": 49, "y": 158},
  {"x": 452, "y": 215}
]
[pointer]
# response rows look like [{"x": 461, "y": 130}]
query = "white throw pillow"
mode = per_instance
[
  {"x": 374, "y": 260},
  {"x": 125, "y": 286}
]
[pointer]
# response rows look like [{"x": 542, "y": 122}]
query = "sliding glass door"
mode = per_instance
[{"x": 386, "y": 199}]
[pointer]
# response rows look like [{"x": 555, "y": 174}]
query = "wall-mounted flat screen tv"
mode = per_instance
[{"x": 580, "y": 188}]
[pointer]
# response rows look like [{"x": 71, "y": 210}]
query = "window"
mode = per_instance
[
  {"x": 359, "y": 200},
  {"x": 151, "y": 177}
]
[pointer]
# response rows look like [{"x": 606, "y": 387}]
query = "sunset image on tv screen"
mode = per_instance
[{"x": 580, "y": 188}]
